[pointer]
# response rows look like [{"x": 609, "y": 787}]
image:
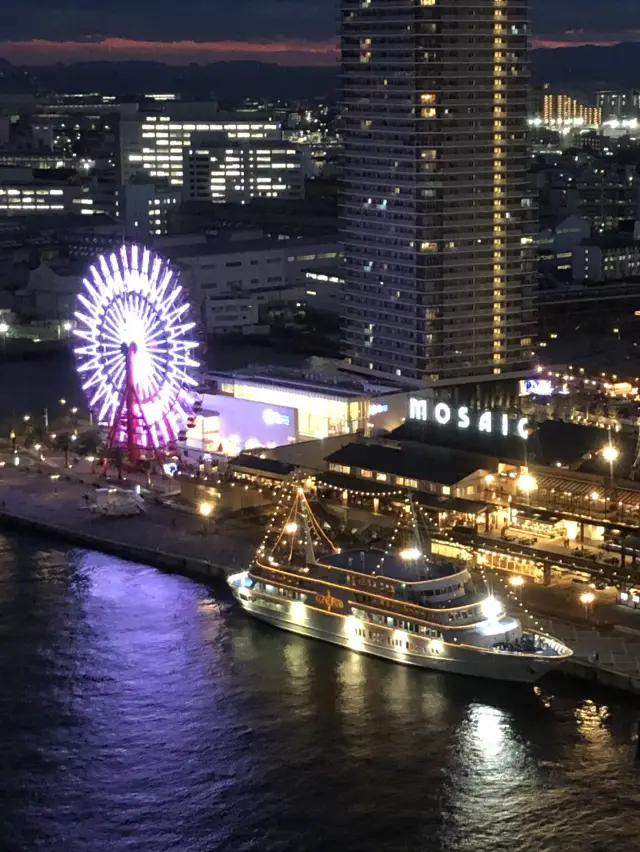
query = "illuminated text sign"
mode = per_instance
[
  {"x": 378, "y": 408},
  {"x": 275, "y": 418},
  {"x": 329, "y": 602},
  {"x": 491, "y": 422},
  {"x": 536, "y": 387}
]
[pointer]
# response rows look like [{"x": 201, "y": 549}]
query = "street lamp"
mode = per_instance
[
  {"x": 205, "y": 510},
  {"x": 4, "y": 330},
  {"x": 517, "y": 583},
  {"x": 587, "y": 599},
  {"x": 610, "y": 453},
  {"x": 526, "y": 482}
]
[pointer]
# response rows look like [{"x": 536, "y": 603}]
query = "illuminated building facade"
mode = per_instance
[
  {"x": 224, "y": 170},
  {"x": 145, "y": 208},
  {"x": 38, "y": 197},
  {"x": 155, "y": 144},
  {"x": 563, "y": 109},
  {"x": 436, "y": 210}
]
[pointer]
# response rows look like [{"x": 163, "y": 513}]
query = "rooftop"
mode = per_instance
[
  {"x": 426, "y": 463},
  {"x": 327, "y": 382},
  {"x": 223, "y": 245}
]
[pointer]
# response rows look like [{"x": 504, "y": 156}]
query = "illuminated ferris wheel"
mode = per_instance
[{"x": 136, "y": 339}]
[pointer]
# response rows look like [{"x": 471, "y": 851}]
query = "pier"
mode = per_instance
[{"x": 51, "y": 501}]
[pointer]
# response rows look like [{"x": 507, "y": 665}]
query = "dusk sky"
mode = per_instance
[{"x": 298, "y": 32}]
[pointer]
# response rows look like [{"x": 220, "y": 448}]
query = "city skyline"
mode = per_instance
[{"x": 282, "y": 31}]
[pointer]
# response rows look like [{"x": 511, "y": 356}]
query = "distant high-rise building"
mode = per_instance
[
  {"x": 614, "y": 104},
  {"x": 233, "y": 170},
  {"x": 436, "y": 212},
  {"x": 564, "y": 109},
  {"x": 154, "y": 145}
]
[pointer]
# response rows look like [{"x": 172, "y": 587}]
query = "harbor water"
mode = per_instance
[{"x": 142, "y": 711}]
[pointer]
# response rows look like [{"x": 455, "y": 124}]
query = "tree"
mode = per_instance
[
  {"x": 63, "y": 443},
  {"x": 90, "y": 442},
  {"x": 116, "y": 456}
]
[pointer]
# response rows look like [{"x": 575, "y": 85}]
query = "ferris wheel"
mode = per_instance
[{"x": 136, "y": 339}]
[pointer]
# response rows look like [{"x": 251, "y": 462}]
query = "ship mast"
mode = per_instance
[
  {"x": 423, "y": 542},
  {"x": 309, "y": 551},
  {"x": 293, "y": 533}
]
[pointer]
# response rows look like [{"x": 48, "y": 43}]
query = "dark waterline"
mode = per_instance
[{"x": 141, "y": 711}]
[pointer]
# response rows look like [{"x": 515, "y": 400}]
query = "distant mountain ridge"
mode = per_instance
[{"x": 586, "y": 68}]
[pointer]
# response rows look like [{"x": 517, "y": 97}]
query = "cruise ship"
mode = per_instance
[{"x": 400, "y": 604}]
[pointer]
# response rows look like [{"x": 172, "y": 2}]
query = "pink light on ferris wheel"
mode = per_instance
[{"x": 135, "y": 339}]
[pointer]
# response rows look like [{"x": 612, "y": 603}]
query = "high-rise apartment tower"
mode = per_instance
[{"x": 436, "y": 212}]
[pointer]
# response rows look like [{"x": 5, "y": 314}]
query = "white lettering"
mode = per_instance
[
  {"x": 442, "y": 413},
  {"x": 484, "y": 423},
  {"x": 417, "y": 409},
  {"x": 463, "y": 417}
]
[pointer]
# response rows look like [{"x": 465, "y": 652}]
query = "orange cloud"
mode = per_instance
[
  {"x": 579, "y": 38},
  {"x": 43, "y": 52},
  {"x": 286, "y": 52}
]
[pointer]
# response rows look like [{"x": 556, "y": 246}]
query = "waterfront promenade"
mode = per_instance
[
  {"x": 163, "y": 537},
  {"x": 606, "y": 641}
]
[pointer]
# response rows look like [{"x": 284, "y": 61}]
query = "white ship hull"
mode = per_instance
[{"x": 399, "y": 647}]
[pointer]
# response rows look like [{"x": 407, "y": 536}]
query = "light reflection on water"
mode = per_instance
[{"x": 141, "y": 711}]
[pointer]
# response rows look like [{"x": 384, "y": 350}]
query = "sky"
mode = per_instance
[{"x": 288, "y": 32}]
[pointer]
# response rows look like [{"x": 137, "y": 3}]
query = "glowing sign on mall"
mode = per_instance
[
  {"x": 491, "y": 422},
  {"x": 275, "y": 418},
  {"x": 378, "y": 408},
  {"x": 536, "y": 387}
]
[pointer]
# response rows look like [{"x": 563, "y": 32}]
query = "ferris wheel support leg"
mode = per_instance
[
  {"x": 144, "y": 422},
  {"x": 133, "y": 450}
]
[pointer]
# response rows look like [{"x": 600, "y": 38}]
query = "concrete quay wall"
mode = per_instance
[
  {"x": 190, "y": 566},
  {"x": 603, "y": 676}
]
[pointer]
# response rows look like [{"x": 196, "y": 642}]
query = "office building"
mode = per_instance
[
  {"x": 435, "y": 206},
  {"x": 615, "y": 105},
  {"x": 144, "y": 208},
  {"x": 18, "y": 198},
  {"x": 234, "y": 278},
  {"x": 223, "y": 170},
  {"x": 155, "y": 144}
]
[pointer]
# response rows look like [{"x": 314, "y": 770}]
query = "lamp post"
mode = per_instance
[
  {"x": 527, "y": 483},
  {"x": 610, "y": 454},
  {"x": 4, "y": 330},
  {"x": 587, "y": 599},
  {"x": 517, "y": 583},
  {"x": 205, "y": 510}
]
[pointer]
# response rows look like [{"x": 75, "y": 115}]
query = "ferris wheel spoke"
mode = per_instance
[{"x": 93, "y": 308}]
